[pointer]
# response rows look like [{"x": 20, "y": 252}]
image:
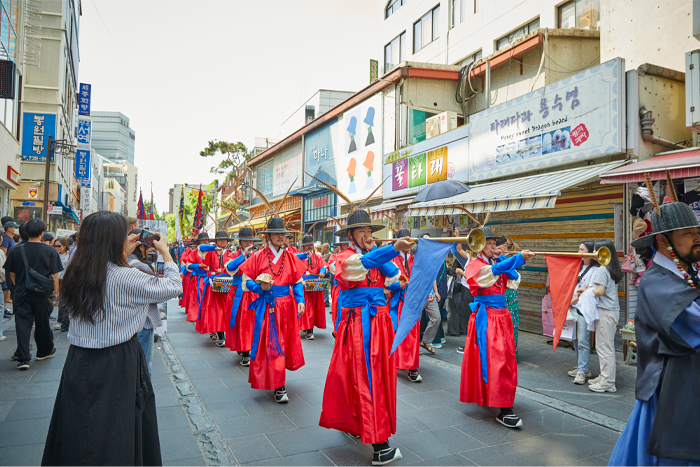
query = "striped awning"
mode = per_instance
[
  {"x": 535, "y": 192},
  {"x": 681, "y": 164}
]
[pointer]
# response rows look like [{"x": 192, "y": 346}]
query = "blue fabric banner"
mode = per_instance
[{"x": 430, "y": 256}]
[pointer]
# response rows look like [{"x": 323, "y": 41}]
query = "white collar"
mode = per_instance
[
  {"x": 277, "y": 254},
  {"x": 664, "y": 262}
]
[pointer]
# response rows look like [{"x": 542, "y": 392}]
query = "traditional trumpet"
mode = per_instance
[
  {"x": 603, "y": 255},
  {"x": 475, "y": 239}
]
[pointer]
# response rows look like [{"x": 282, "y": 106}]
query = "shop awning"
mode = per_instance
[
  {"x": 68, "y": 212},
  {"x": 315, "y": 187},
  {"x": 681, "y": 164},
  {"x": 259, "y": 222},
  {"x": 375, "y": 212},
  {"x": 535, "y": 192}
]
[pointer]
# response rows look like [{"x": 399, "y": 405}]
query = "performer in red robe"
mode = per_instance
[
  {"x": 213, "y": 314},
  {"x": 198, "y": 271},
  {"x": 408, "y": 353},
  {"x": 289, "y": 243},
  {"x": 274, "y": 273},
  {"x": 185, "y": 274},
  {"x": 342, "y": 244},
  {"x": 314, "y": 305},
  {"x": 360, "y": 392},
  {"x": 489, "y": 369},
  {"x": 241, "y": 319}
]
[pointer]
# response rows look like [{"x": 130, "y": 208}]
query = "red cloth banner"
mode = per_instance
[{"x": 563, "y": 273}]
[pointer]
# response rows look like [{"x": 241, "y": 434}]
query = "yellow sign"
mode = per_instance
[{"x": 437, "y": 165}]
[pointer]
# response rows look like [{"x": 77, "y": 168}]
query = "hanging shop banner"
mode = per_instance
[
  {"x": 579, "y": 117},
  {"x": 84, "y": 133},
  {"x": 284, "y": 174},
  {"x": 35, "y": 135},
  {"x": 321, "y": 150},
  {"x": 84, "y": 99},
  {"x": 82, "y": 165},
  {"x": 358, "y": 172},
  {"x": 85, "y": 199},
  {"x": 444, "y": 157}
]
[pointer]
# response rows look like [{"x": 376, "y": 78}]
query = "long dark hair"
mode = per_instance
[
  {"x": 614, "y": 266},
  {"x": 102, "y": 237},
  {"x": 590, "y": 247}
]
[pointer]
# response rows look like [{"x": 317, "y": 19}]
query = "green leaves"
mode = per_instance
[{"x": 236, "y": 154}]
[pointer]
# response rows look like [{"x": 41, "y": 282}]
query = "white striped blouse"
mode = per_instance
[{"x": 128, "y": 293}]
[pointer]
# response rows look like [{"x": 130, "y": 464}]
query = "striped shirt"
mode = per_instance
[
  {"x": 153, "y": 317},
  {"x": 128, "y": 292}
]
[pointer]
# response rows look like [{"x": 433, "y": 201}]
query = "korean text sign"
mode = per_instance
[
  {"x": 579, "y": 117},
  {"x": 37, "y": 127},
  {"x": 84, "y": 97},
  {"x": 82, "y": 165},
  {"x": 84, "y": 133}
]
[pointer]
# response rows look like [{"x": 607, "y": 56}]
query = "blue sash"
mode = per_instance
[
  {"x": 260, "y": 306},
  {"x": 237, "y": 282},
  {"x": 201, "y": 277},
  {"x": 338, "y": 305},
  {"x": 396, "y": 297},
  {"x": 479, "y": 305},
  {"x": 369, "y": 298},
  {"x": 311, "y": 276}
]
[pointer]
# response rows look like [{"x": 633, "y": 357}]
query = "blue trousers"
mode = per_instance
[{"x": 145, "y": 337}]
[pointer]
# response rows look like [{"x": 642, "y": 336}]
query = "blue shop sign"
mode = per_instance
[
  {"x": 35, "y": 137},
  {"x": 321, "y": 148},
  {"x": 82, "y": 165},
  {"x": 84, "y": 99}
]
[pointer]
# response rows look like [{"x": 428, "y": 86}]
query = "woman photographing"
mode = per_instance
[{"x": 105, "y": 409}]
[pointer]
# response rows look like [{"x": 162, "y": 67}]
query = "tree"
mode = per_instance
[{"x": 147, "y": 208}]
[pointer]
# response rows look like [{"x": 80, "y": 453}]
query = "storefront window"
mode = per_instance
[
  {"x": 319, "y": 207},
  {"x": 263, "y": 181},
  {"x": 582, "y": 14},
  {"x": 519, "y": 33},
  {"x": 416, "y": 125}
]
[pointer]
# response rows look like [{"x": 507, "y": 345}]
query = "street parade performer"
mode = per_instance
[
  {"x": 289, "y": 241},
  {"x": 408, "y": 353},
  {"x": 314, "y": 305},
  {"x": 489, "y": 368},
  {"x": 274, "y": 273},
  {"x": 342, "y": 244},
  {"x": 240, "y": 319},
  {"x": 667, "y": 327},
  {"x": 198, "y": 272},
  {"x": 360, "y": 392},
  {"x": 213, "y": 315},
  {"x": 185, "y": 274}
]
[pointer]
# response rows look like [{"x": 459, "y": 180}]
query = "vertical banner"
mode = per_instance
[
  {"x": 84, "y": 99},
  {"x": 82, "y": 166},
  {"x": 84, "y": 133},
  {"x": 35, "y": 135}
]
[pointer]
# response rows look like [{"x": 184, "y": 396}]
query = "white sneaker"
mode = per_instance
[
  {"x": 601, "y": 386},
  {"x": 57, "y": 326},
  {"x": 573, "y": 372},
  {"x": 594, "y": 380},
  {"x": 580, "y": 377}
]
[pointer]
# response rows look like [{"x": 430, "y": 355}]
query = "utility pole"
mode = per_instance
[{"x": 46, "y": 180}]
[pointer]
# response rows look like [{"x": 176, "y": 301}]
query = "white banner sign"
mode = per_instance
[
  {"x": 579, "y": 117},
  {"x": 284, "y": 174}
]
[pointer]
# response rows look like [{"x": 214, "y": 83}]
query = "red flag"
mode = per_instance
[
  {"x": 198, "y": 220},
  {"x": 563, "y": 273}
]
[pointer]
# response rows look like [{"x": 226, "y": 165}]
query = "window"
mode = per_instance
[
  {"x": 475, "y": 57},
  {"x": 394, "y": 52},
  {"x": 426, "y": 29},
  {"x": 582, "y": 14},
  {"x": 416, "y": 124},
  {"x": 393, "y": 6},
  {"x": 517, "y": 34},
  {"x": 461, "y": 9}
]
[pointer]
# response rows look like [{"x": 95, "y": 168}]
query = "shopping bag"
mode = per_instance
[
  {"x": 569, "y": 331},
  {"x": 630, "y": 261}
]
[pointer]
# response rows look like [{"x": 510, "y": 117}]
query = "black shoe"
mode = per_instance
[
  {"x": 15, "y": 357},
  {"x": 64, "y": 329},
  {"x": 281, "y": 396},
  {"x": 460, "y": 350},
  {"x": 220, "y": 343},
  {"x": 511, "y": 421},
  {"x": 212, "y": 336},
  {"x": 309, "y": 336},
  {"x": 245, "y": 361},
  {"x": 386, "y": 456},
  {"x": 23, "y": 365},
  {"x": 414, "y": 377},
  {"x": 50, "y": 354}
]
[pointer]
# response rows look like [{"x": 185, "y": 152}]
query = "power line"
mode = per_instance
[{"x": 108, "y": 31}]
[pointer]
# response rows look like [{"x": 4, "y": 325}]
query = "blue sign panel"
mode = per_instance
[
  {"x": 321, "y": 147},
  {"x": 84, "y": 133},
  {"x": 84, "y": 99},
  {"x": 82, "y": 165},
  {"x": 35, "y": 137},
  {"x": 28, "y": 203}
]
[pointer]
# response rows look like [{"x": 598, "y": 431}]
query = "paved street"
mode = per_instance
[{"x": 209, "y": 415}]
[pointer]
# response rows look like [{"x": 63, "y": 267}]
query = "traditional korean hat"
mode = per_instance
[
  {"x": 343, "y": 239},
  {"x": 490, "y": 235},
  {"x": 307, "y": 240},
  {"x": 403, "y": 233},
  {"x": 247, "y": 233},
  {"x": 203, "y": 237},
  {"x": 221, "y": 235}
]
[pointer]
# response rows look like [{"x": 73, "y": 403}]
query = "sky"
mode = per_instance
[{"x": 187, "y": 72}]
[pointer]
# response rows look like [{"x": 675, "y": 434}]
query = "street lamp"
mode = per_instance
[{"x": 60, "y": 145}]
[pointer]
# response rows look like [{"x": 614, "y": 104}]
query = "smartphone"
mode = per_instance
[
  {"x": 160, "y": 269},
  {"x": 148, "y": 237}
]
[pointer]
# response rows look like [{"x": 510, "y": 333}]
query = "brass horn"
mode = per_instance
[
  {"x": 476, "y": 239},
  {"x": 603, "y": 255}
]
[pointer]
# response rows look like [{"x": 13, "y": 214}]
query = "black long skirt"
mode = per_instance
[{"x": 105, "y": 410}]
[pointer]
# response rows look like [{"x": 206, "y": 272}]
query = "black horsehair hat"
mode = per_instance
[
  {"x": 275, "y": 224},
  {"x": 247, "y": 233},
  {"x": 202, "y": 236},
  {"x": 222, "y": 235},
  {"x": 307, "y": 240}
]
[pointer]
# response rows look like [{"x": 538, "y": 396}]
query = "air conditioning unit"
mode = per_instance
[
  {"x": 440, "y": 123},
  {"x": 432, "y": 127},
  {"x": 692, "y": 90}
]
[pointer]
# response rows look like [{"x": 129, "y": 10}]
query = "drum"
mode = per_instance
[
  {"x": 317, "y": 285},
  {"x": 221, "y": 284}
]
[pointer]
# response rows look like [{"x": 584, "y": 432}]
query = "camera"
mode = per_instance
[
  {"x": 151, "y": 257},
  {"x": 148, "y": 237}
]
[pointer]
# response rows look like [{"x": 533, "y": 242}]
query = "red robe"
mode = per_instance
[
  {"x": 348, "y": 403},
  {"x": 268, "y": 372},
  {"x": 408, "y": 353},
  {"x": 184, "y": 261},
  {"x": 213, "y": 316},
  {"x": 315, "y": 308},
  {"x": 293, "y": 249},
  {"x": 334, "y": 289},
  {"x": 501, "y": 363},
  {"x": 196, "y": 287},
  {"x": 240, "y": 337}
]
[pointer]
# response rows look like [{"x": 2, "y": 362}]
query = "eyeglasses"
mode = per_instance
[{"x": 58, "y": 246}]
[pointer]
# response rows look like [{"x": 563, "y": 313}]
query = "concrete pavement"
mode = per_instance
[{"x": 209, "y": 415}]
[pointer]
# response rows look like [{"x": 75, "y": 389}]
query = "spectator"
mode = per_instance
[
  {"x": 105, "y": 409},
  {"x": 48, "y": 238},
  {"x": 138, "y": 260},
  {"x": 606, "y": 280},
  {"x": 73, "y": 246},
  {"x": 31, "y": 306},
  {"x": 61, "y": 245},
  {"x": 6, "y": 314},
  {"x": 587, "y": 273},
  {"x": 8, "y": 241}
]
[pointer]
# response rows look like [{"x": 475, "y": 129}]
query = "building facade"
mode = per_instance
[{"x": 113, "y": 137}]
